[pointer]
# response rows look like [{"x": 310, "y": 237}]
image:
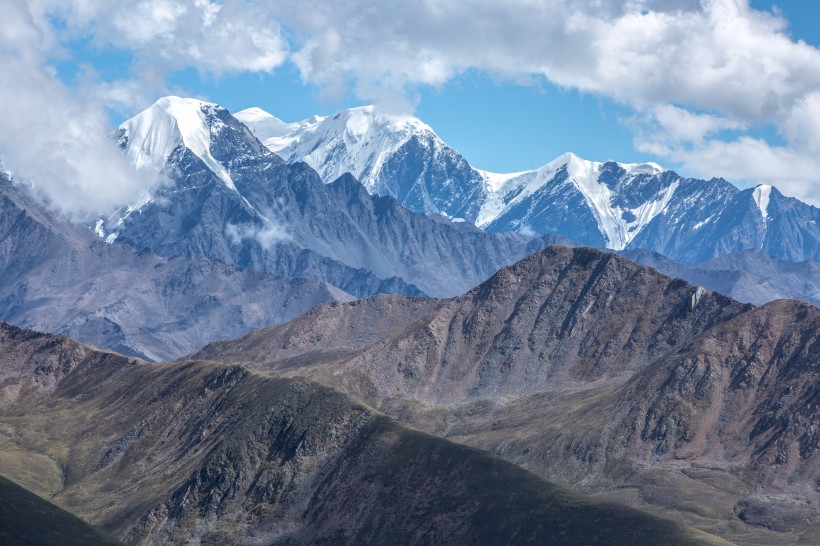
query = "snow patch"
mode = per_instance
[
  {"x": 697, "y": 295},
  {"x": 642, "y": 168},
  {"x": 761, "y": 196},
  {"x": 702, "y": 223}
]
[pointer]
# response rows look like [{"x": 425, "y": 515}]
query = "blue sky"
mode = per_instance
[{"x": 714, "y": 88}]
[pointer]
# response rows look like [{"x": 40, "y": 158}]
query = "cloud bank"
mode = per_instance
[
  {"x": 49, "y": 137},
  {"x": 700, "y": 76}
]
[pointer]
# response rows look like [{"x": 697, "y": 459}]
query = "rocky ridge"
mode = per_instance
[
  {"x": 204, "y": 452},
  {"x": 594, "y": 372}
]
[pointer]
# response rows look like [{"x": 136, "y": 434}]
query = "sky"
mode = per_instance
[{"x": 711, "y": 88}]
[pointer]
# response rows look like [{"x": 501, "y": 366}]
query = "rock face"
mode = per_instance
[
  {"x": 779, "y": 226},
  {"x": 613, "y": 205},
  {"x": 209, "y": 453},
  {"x": 558, "y": 318},
  {"x": 747, "y": 390},
  {"x": 594, "y": 372},
  {"x": 243, "y": 205},
  {"x": 60, "y": 277}
]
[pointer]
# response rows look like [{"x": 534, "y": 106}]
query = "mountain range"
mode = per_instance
[
  {"x": 236, "y": 202},
  {"x": 608, "y": 205},
  {"x": 374, "y": 248},
  {"x": 231, "y": 204}
]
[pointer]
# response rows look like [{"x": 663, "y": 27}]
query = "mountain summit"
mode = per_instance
[
  {"x": 152, "y": 136},
  {"x": 400, "y": 156}
]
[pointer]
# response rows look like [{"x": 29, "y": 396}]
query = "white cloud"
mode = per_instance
[
  {"x": 215, "y": 37},
  {"x": 266, "y": 236},
  {"x": 52, "y": 138},
  {"x": 694, "y": 141},
  {"x": 58, "y": 138}
]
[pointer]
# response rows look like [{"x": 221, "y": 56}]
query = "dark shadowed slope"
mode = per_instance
[
  {"x": 204, "y": 452},
  {"x": 26, "y": 519}
]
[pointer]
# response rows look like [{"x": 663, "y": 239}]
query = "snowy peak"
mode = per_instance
[
  {"x": 581, "y": 165},
  {"x": 355, "y": 141},
  {"x": 269, "y": 129},
  {"x": 151, "y": 136},
  {"x": 367, "y": 136},
  {"x": 600, "y": 184}
]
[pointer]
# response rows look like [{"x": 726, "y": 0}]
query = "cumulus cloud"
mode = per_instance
[
  {"x": 51, "y": 138},
  {"x": 215, "y": 37},
  {"x": 59, "y": 138},
  {"x": 700, "y": 76}
]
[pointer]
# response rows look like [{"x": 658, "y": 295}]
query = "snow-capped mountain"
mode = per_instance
[
  {"x": 605, "y": 204},
  {"x": 391, "y": 155},
  {"x": 153, "y": 135},
  {"x": 233, "y": 200},
  {"x": 613, "y": 205}
]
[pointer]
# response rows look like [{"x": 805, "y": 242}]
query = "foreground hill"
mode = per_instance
[
  {"x": 597, "y": 373},
  {"x": 209, "y": 453},
  {"x": 559, "y": 318}
]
